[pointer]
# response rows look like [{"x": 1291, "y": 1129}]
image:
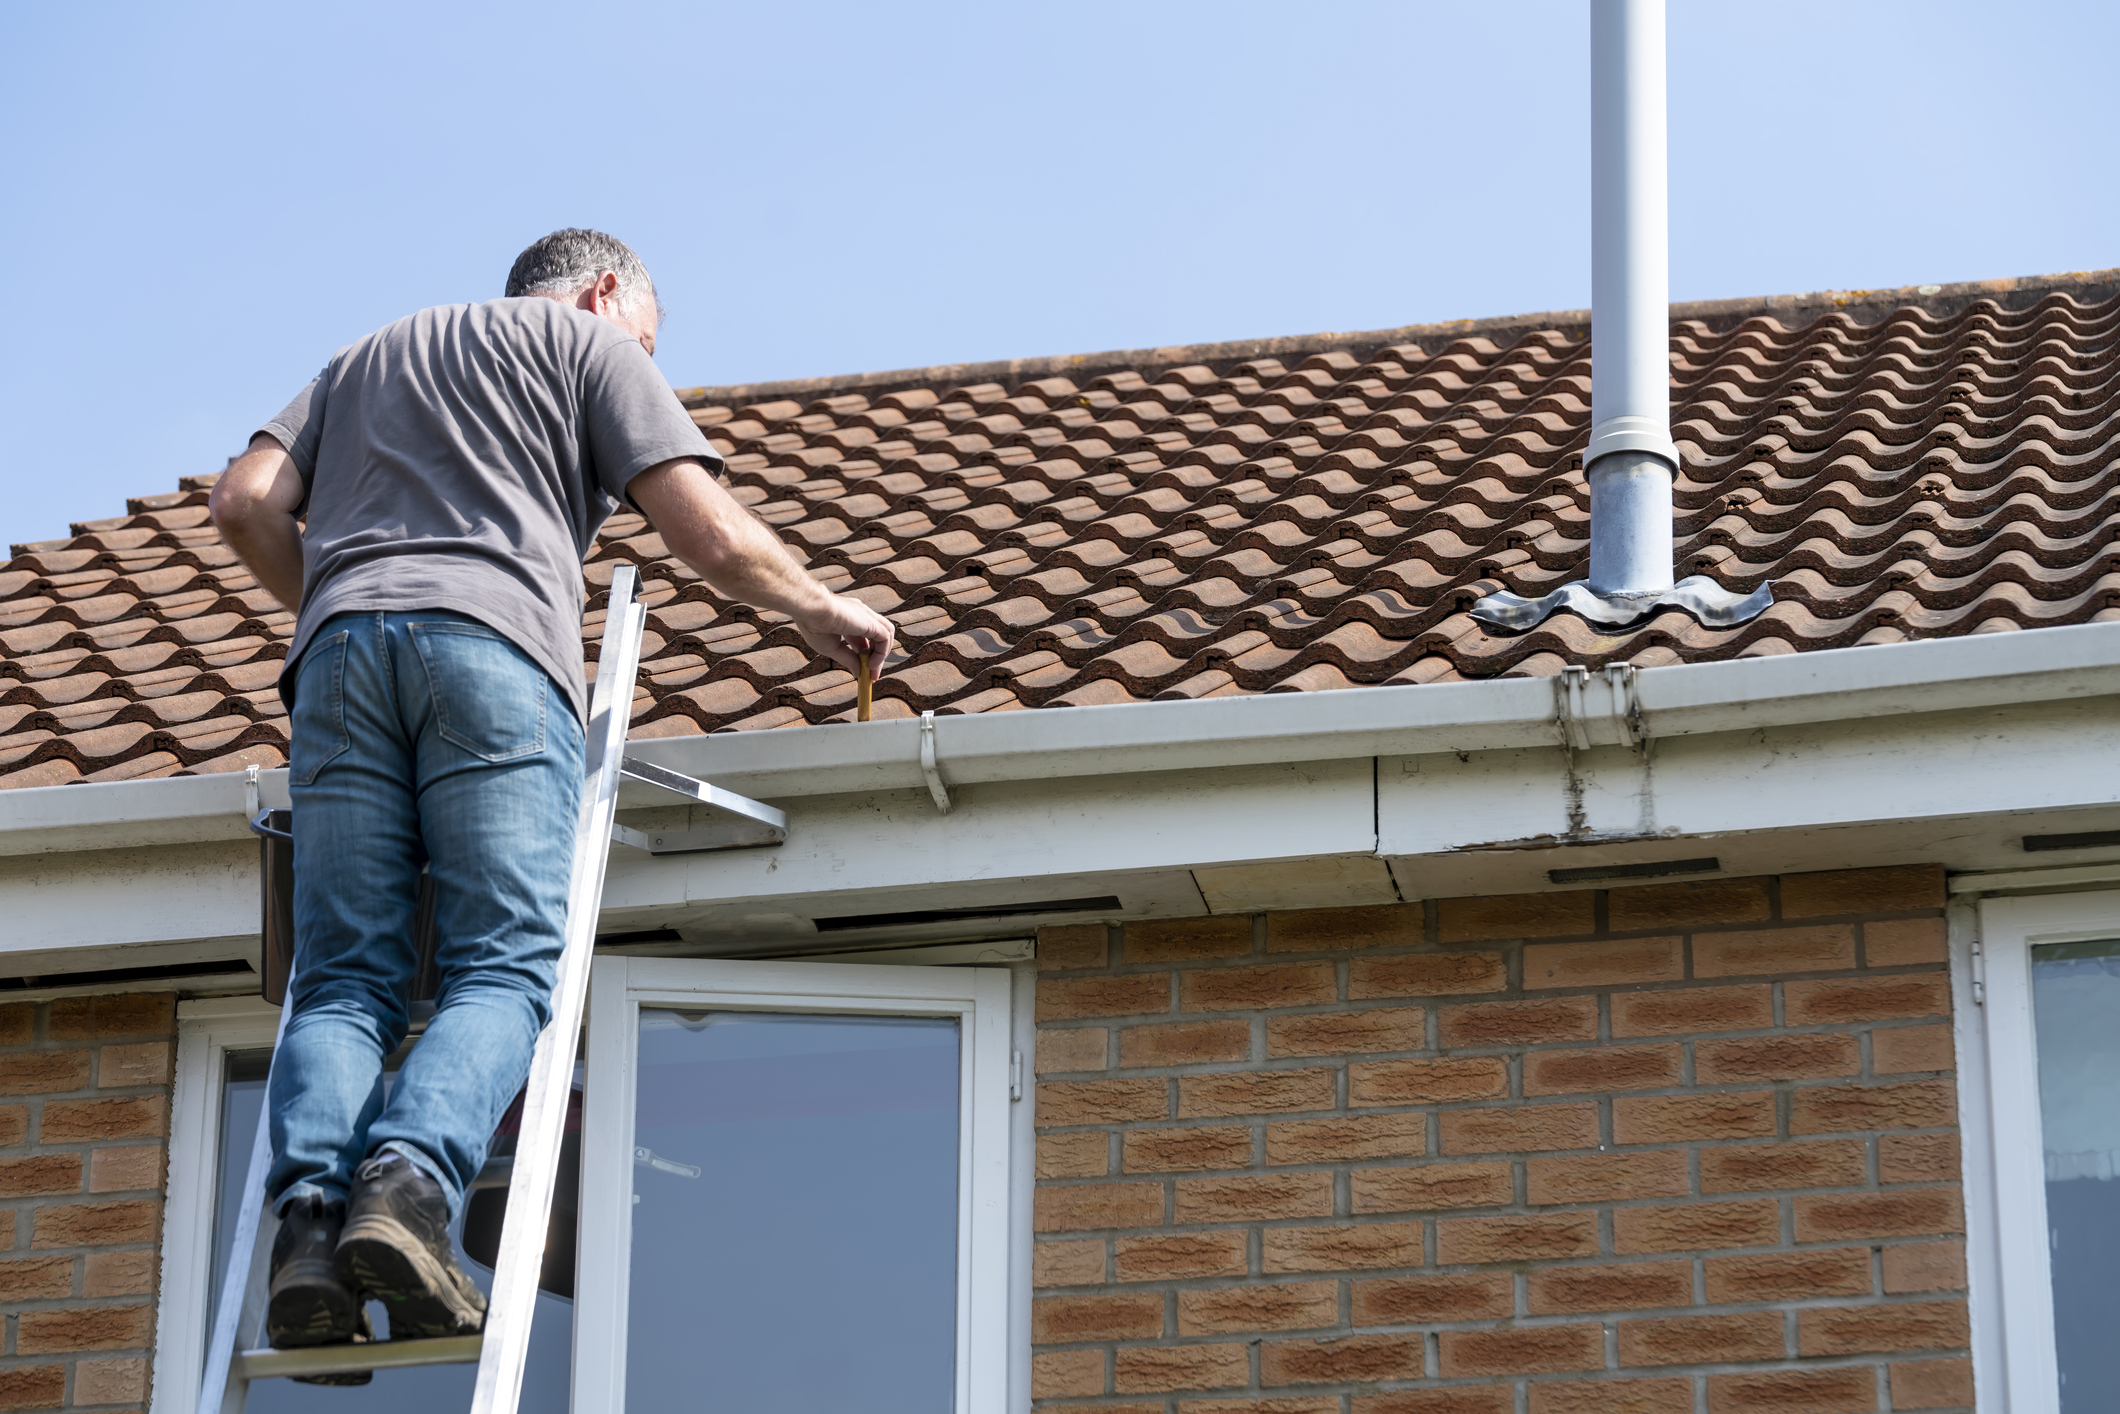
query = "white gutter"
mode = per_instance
[{"x": 1940, "y": 675}]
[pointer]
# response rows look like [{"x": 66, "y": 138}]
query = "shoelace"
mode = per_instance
[{"x": 372, "y": 1169}]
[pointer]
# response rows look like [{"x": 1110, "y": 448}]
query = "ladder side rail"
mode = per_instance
[
  {"x": 513, "y": 1303},
  {"x": 215, "y": 1386}
]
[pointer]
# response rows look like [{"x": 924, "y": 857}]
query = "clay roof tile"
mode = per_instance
[{"x": 1316, "y": 515}]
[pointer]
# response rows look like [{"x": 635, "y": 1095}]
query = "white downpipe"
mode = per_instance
[{"x": 1630, "y": 460}]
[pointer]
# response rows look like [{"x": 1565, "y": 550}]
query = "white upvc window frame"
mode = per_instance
[
  {"x": 1000, "y": 998},
  {"x": 207, "y": 1031},
  {"x": 978, "y": 997},
  {"x": 2008, "y": 1243}
]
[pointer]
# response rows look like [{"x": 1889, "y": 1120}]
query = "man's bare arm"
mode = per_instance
[
  {"x": 253, "y": 505},
  {"x": 739, "y": 556}
]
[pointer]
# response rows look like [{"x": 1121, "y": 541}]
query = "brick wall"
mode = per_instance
[
  {"x": 1677, "y": 1147},
  {"x": 84, "y": 1110}
]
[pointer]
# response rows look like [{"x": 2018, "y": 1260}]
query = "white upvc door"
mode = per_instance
[
  {"x": 781, "y": 1160},
  {"x": 2050, "y": 969},
  {"x": 209, "y": 1031}
]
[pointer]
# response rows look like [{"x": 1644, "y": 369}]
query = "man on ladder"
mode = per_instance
[{"x": 424, "y": 506}]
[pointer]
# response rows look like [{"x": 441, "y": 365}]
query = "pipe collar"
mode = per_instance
[{"x": 1631, "y": 433}]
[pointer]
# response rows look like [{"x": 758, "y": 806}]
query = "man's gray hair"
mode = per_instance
[{"x": 566, "y": 262}]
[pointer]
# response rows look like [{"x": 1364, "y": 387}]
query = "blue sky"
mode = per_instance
[{"x": 205, "y": 200}]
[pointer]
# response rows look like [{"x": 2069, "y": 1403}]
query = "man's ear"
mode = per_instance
[{"x": 598, "y": 293}]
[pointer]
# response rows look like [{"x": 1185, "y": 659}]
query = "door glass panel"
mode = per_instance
[
  {"x": 794, "y": 1214},
  {"x": 2076, "y": 998},
  {"x": 437, "y": 1389}
]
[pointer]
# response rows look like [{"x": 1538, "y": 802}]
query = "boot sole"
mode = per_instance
[
  {"x": 310, "y": 1306},
  {"x": 380, "y": 1257}
]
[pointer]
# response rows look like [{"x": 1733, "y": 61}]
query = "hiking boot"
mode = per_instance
[
  {"x": 395, "y": 1248},
  {"x": 308, "y": 1304}
]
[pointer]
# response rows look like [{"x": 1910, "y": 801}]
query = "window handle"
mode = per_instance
[{"x": 654, "y": 1160}]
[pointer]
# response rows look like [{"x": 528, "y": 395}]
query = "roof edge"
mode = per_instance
[
  {"x": 1864, "y": 306},
  {"x": 1902, "y": 681}
]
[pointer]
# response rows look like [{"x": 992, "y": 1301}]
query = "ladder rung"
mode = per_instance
[{"x": 348, "y": 1359}]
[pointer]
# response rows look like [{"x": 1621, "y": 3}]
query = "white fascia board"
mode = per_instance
[
  {"x": 1960, "y": 788},
  {"x": 2029, "y": 758},
  {"x": 879, "y": 845},
  {"x": 1136, "y": 838},
  {"x": 124, "y": 898},
  {"x": 1895, "y": 680}
]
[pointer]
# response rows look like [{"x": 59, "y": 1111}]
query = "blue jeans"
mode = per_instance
[{"x": 419, "y": 738}]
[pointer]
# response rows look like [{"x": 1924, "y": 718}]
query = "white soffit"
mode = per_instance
[{"x": 1343, "y": 882}]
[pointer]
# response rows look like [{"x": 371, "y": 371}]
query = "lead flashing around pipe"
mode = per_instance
[
  {"x": 1692, "y": 699},
  {"x": 1708, "y": 602}
]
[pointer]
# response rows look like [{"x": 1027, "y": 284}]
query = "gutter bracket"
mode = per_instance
[
  {"x": 1627, "y": 702},
  {"x": 930, "y": 767},
  {"x": 1575, "y": 717},
  {"x": 1571, "y": 691}
]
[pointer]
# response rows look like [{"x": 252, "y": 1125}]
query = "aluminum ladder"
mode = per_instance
[{"x": 236, "y": 1355}]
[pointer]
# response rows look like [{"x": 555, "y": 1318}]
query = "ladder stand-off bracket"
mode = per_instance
[{"x": 740, "y": 822}]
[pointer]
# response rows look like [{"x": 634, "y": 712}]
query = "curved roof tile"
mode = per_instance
[{"x": 1299, "y": 516}]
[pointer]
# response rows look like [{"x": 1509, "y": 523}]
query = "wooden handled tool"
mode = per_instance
[{"x": 864, "y": 683}]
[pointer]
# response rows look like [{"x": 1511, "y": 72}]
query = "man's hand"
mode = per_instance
[
  {"x": 848, "y": 631},
  {"x": 738, "y": 555},
  {"x": 253, "y": 505}
]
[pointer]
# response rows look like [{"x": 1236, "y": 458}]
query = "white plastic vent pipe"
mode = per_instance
[{"x": 1630, "y": 460}]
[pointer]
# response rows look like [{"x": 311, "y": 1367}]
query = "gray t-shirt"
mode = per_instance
[{"x": 464, "y": 458}]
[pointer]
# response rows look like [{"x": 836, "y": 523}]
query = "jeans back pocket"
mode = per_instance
[
  {"x": 318, "y": 725},
  {"x": 489, "y": 698}
]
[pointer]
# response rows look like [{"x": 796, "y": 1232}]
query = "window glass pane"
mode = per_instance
[
  {"x": 242, "y": 1094},
  {"x": 794, "y": 1214},
  {"x": 2076, "y": 998},
  {"x": 441, "y": 1389}
]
